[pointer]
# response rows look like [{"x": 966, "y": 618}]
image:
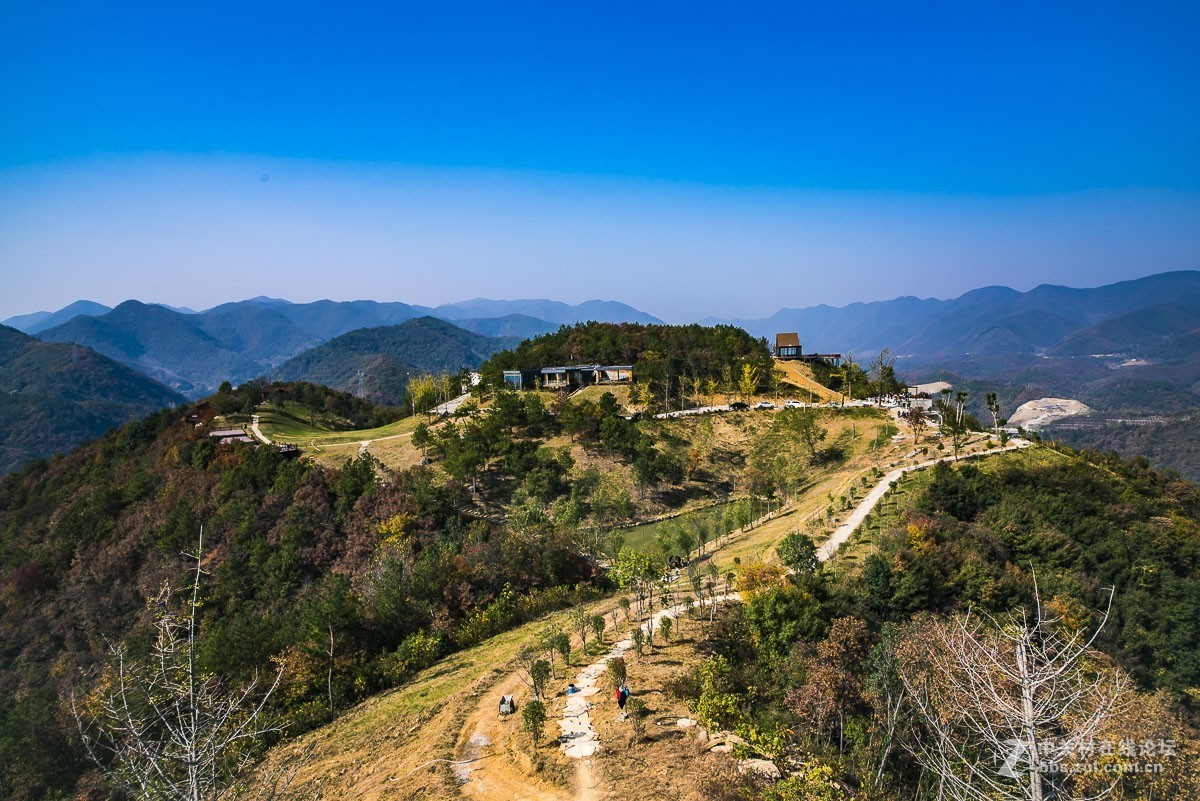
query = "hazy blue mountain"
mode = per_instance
[
  {"x": 40, "y": 321},
  {"x": 376, "y": 363},
  {"x": 983, "y": 323},
  {"x": 520, "y": 326},
  {"x": 1150, "y": 332},
  {"x": 989, "y": 333},
  {"x": 261, "y": 332},
  {"x": 55, "y": 396},
  {"x": 195, "y": 352},
  {"x": 168, "y": 346},
  {"x": 326, "y": 319},
  {"x": 552, "y": 311}
]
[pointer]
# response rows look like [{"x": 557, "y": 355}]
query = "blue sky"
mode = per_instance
[{"x": 645, "y": 152}]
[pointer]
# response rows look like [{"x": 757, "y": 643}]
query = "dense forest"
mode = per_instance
[
  {"x": 1173, "y": 444},
  {"x": 353, "y": 578},
  {"x": 54, "y": 396},
  {"x": 813, "y": 665}
]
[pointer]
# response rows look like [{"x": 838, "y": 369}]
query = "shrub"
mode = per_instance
[
  {"x": 618, "y": 672},
  {"x": 533, "y": 718}
]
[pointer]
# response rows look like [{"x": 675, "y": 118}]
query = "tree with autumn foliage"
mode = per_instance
[{"x": 833, "y": 684}]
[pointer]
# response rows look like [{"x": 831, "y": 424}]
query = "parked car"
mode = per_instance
[
  {"x": 793, "y": 404},
  {"x": 764, "y": 405},
  {"x": 738, "y": 406}
]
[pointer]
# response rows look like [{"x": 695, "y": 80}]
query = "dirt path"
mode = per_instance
[
  {"x": 501, "y": 769},
  {"x": 586, "y": 783},
  {"x": 864, "y": 508},
  {"x": 362, "y": 446},
  {"x": 798, "y": 377}
]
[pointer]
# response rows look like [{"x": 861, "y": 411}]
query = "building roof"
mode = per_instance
[
  {"x": 232, "y": 432},
  {"x": 789, "y": 340}
]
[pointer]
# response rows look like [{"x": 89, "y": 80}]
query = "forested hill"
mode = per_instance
[
  {"x": 293, "y": 554},
  {"x": 658, "y": 353},
  {"x": 377, "y": 362},
  {"x": 54, "y": 396}
]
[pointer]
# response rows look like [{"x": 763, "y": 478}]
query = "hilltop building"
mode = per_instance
[
  {"x": 570, "y": 377},
  {"x": 787, "y": 348}
]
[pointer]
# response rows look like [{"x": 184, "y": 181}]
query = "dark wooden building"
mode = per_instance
[{"x": 787, "y": 346}]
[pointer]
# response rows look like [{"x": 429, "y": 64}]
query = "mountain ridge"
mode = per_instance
[
  {"x": 377, "y": 362},
  {"x": 193, "y": 352},
  {"x": 55, "y": 396}
]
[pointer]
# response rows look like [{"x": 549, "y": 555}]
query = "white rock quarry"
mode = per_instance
[{"x": 1042, "y": 412}]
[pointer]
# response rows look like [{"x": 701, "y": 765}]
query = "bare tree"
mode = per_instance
[
  {"x": 883, "y": 372},
  {"x": 1002, "y": 705},
  {"x": 918, "y": 421},
  {"x": 849, "y": 366},
  {"x": 162, "y": 729}
]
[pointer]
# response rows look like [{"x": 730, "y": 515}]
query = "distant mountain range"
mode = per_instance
[
  {"x": 194, "y": 352},
  {"x": 1129, "y": 345},
  {"x": 376, "y": 363},
  {"x": 550, "y": 311},
  {"x": 989, "y": 322},
  {"x": 37, "y": 322},
  {"x": 55, "y": 396}
]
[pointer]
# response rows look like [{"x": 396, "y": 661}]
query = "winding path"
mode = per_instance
[{"x": 865, "y": 507}]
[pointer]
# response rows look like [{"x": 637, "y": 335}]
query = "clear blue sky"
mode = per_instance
[{"x": 644, "y": 152}]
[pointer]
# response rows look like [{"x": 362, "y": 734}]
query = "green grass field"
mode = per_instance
[{"x": 289, "y": 426}]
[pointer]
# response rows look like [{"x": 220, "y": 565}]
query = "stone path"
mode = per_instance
[
  {"x": 579, "y": 739},
  {"x": 254, "y": 429}
]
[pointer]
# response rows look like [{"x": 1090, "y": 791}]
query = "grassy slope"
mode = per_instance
[
  {"x": 383, "y": 748},
  {"x": 289, "y": 429}
]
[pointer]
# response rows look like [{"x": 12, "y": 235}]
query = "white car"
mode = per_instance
[
  {"x": 764, "y": 405},
  {"x": 793, "y": 404}
]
